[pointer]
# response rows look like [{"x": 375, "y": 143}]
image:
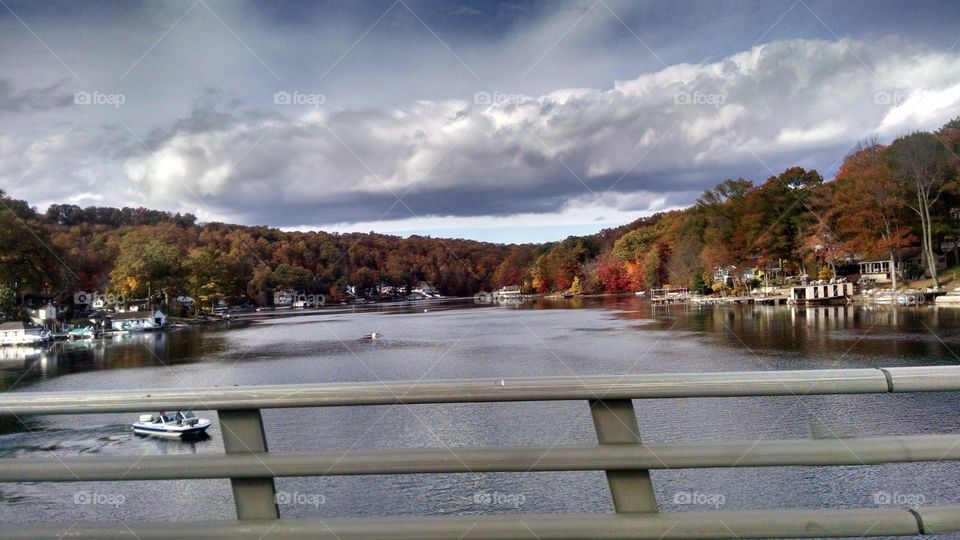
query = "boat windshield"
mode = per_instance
[{"x": 189, "y": 414}]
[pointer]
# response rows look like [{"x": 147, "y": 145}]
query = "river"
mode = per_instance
[{"x": 458, "y": 339}]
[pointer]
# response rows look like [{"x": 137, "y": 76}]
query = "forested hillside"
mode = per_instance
[{"x": 885, "y": 199}]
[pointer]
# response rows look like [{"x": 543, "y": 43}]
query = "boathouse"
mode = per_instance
[
  {"x": 821, "y": 293},
  {"x": 138, "y": 320}
]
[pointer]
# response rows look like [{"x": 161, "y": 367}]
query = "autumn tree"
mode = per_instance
[
  {"x": 211, "y": 276},
  {"x": 722, "y": 211},
  {"x": 612, "y": 274},
  {"x": 868, "y": 205},
  {"x": 261, "y": 285},
  {"x": 776, "y": 213},
  {"x": 147, "y": 264},
  {"x": 926, "y": 167},
  {"x": 294, "y": 278}
]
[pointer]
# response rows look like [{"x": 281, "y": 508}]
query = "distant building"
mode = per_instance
[
  {"x": 879, "y": 271},
  {"x": 725, "y": 275},
  {"x": 427, "y": 290},
  {"x": 18, "y": 333},
  {"x": 44, "y": 315},
  {"x": 822, "y": 293},
  {"x": 387, "y": 290},
  {"x": 138, "y": 320},
  {"x": 282, "y": 298},
  {"x": 507, "y": 293}
]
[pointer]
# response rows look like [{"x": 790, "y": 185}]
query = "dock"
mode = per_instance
[{"x": 776, "y": 300}]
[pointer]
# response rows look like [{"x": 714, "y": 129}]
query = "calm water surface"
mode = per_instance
[{"x": 459, "y": 340}]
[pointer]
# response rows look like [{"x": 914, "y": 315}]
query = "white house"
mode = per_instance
[
  {"x": 138, "y": 320},
  {"x": 17, "y": 333},
  {"x": 507, "y": 293},
  {"x": 426, "y": 289},
  {"x": 44, "y": 315}
]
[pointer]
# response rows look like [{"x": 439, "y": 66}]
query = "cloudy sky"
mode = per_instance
[{"x": 504, "y": 121}]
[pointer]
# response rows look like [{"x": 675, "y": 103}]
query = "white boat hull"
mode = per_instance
[{"x": 171, "y": 431}]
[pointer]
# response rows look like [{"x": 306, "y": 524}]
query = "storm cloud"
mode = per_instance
[
  {"x": 678, "y": 129},
  {"x": 425, "y": 117}
]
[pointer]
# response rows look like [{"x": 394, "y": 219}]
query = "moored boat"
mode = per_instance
[
  {"x": 171, "y": 424},
  {"x": 952, "y": 298}
]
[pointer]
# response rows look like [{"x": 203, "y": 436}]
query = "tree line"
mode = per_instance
[{"x": 886, "y": 201}]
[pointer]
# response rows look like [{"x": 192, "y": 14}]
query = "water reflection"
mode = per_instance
[{"x": 459, "y": 339}]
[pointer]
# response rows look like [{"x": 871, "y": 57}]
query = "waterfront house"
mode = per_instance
[
  {"x": 44, "y": 315},
  {"x": 879, "y": 271},
  {"x": 426, "y": 290},
  {"x": 387, "y": 290},
  {"x": 138, "y": 320},
  {"x": 725, "y": 275},
  {"x": 18, "y": 333},
  {"x": 509, "y": 292}
]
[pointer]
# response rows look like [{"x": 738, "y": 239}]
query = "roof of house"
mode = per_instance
[
  {"x": 134, "y": 315},
  {"x": 12, "y": 326}
]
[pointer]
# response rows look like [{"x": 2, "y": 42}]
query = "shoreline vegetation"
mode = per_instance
[{"x": 897, "y": 202}]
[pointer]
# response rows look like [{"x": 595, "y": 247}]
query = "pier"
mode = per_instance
[
  {"x": 776, "y": 300},
  {"x": 619, "y": 452}
]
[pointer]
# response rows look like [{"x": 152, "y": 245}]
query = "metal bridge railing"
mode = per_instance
[{"x": 625, "y": 459}]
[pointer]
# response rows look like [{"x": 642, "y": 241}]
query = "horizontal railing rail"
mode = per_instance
[
  {"x": 674, "y": 385},
  {"x": 869, "y": 451},
  {"x": 620, "y": 452}
]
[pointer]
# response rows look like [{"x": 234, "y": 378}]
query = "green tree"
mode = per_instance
[
  {"x": 293, "y": 277},
  {"x": 28, "y": 259},
  {"x": 210, "y": 278},
  {"x": 8, "y": 296},
  {"x": 147, "y": 265}
]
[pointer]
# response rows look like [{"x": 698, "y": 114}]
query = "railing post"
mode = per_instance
[
  {"x": 616, "y": 423},
  {"x": 255, "y": 498}
]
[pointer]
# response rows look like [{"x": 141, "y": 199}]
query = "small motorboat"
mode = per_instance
[{"x": 171, "y": 424}]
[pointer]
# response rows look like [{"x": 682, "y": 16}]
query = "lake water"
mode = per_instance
[{"x": 613, "y": 335}]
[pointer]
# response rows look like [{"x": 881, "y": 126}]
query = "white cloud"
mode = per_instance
[
  {"x": 677, "y": 129},
  {"x": 664, "y": 135}
]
